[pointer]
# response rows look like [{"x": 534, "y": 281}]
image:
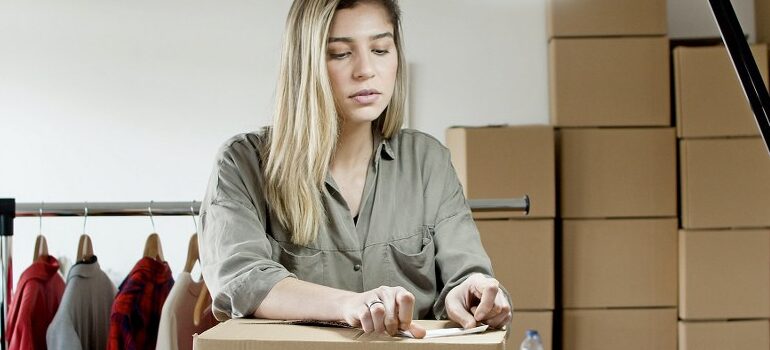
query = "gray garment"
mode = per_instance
[
  {"x": 83, "y": 318},
  {"x": 414, "y": 229}
]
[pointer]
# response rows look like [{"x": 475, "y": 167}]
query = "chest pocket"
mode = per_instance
[
  {"x": 306, "y": 263},
  {"x": 412, "y": 263}
]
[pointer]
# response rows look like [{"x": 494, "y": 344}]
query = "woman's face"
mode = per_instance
[{"x": 362, "y": 61}]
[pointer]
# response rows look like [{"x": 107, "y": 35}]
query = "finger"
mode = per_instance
[
  {"x": 378, "y": 317},
  {"x": 497, "y": 309},
  {"x": 500, "y": 320},
  {"x": 391, "y": 312},
  {"x": 457, "y": 313},
  {"x": 488, "y": 292},
  {"x": 366, "y": 321},
  {"x": 417, "y": 330},
  {"x": 405, "y": 301}
]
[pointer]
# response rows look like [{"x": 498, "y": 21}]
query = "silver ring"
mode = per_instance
[{"x": 369, "y": 305}]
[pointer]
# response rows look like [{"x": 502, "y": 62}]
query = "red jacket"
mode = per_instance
[{"x": 34, "y": 305}]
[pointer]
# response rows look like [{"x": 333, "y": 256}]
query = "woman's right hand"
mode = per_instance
[{"x": 383, "y": 309}]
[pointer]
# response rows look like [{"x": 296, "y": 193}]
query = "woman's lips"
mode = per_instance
[{"x": 366, "y": 99}]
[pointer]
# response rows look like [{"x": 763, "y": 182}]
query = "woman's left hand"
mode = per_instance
[{"x": 478, "y": 299}]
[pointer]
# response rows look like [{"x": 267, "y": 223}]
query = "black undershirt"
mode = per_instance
[{"x": 355, "y": 219}]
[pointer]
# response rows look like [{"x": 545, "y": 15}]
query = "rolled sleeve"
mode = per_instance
[
  {"x": 459, "y": 251},
  {"x": 235, "y": 251}
]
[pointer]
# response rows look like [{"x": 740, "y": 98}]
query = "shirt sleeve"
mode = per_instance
[
  {"x": 235, "y": 251},
  {"x": 459, "y": 251}
]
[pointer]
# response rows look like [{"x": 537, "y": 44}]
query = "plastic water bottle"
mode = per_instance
[{"x": 532, "y": 341}]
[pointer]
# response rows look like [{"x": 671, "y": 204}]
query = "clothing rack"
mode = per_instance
[{"x": 9, "y": 210}]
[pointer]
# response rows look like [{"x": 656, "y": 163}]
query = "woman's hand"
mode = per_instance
[
  {"x": 384, "y": 309},
  {"x": 478, "y": 299}
]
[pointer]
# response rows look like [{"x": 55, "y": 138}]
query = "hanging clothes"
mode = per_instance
[
  {"x": 83, "y": 319},
  {"x": 35, "y": 304},
  {"x": 176, "y": 321},
  {"x": 136, "y": 311}
]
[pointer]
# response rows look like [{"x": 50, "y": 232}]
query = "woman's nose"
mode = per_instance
[{"x": 363, "y": 68}]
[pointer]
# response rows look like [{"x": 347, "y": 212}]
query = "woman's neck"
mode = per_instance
[{"x": 354, "y": 146}]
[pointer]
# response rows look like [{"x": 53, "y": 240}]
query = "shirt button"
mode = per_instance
[{"x": 357, "y": 267}]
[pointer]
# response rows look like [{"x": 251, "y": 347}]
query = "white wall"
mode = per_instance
[
  {"x": 105, "y": 100},
  {"x": 688, "y": 19}
]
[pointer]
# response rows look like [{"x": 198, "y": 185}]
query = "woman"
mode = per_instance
[{"x": 335, "y": 213}]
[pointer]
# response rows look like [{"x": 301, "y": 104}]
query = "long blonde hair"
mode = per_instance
[{"x": 305, "y": 122}]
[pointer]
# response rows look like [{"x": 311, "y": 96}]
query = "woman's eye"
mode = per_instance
[
  {"x": 380, "y": 52},
  {"x": 339, "y": 56}
]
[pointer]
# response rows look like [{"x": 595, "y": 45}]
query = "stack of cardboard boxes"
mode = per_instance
[
  {"x": 724, "y": 241},
  {"x": 762, "y": 8},
  {"x": 616, "y": 165},
  {"x": 509, "y": 162}
]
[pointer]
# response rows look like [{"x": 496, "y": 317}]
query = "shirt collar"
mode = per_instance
[
  {"x": 42, "y": 269},
  {"x": 86, "y": 269},
  {"x": 383, "y": 148}
]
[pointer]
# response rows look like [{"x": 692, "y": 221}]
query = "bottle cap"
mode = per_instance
[{"x": 532, "y": 333}]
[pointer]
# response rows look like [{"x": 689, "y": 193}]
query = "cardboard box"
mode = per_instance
[
  {"x": 763, "y": 20},
  {"x": 245, "y": 334},
  {"x": 609, "y": 81},
  {"x": 627, "y": 329},
  {"x": 724, "y": 183},
  {"x": 522, "y": 254},
  {"x": 606, "y": 173},
  {"x": 724, "y": 335},
  {"x": 619, "y": 263},
  {"x": 542, "y": 321},
  {"x": 724, "y": 274},
  {"x": 579, "y": 18},
  {"x": 506, "y": 162},
  {"x": 709, "y": 97}
]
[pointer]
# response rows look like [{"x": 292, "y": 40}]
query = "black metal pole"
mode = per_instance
[{"x": 7, "y": 215}]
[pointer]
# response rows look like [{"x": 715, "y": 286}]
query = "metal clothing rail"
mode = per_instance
[
  {"x": 9, "y": 210},
  {"x": 108, "y": 209}
]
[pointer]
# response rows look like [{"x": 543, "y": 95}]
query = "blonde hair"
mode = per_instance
[{"x": 305, "y": 122}]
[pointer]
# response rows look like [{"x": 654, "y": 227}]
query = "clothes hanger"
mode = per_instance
[
  {"x": 41, "y": 248},
  {"x": 193, "y": 255},
  {"x": 41, "y": 245},
  {"x": 85, "y": 247},
  {"x": 201, "y": 304},
  {"x": 152, "y": 246}
]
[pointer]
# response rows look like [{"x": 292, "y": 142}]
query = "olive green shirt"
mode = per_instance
[{"x": 414, "y": 229}]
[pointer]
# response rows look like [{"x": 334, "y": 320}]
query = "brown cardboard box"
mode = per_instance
[
  {"x": 609, "y": 81},
  {"x": 724, "y": 183},
  {"x": 724, "y": 335},
  {"x": 724, "y": 274},
  {"x": 246, "y": 334},
  {"x": 627, "y": 329},
  {"x": 542, "y": 321},
  {"x": 522, "y": 253},
  {"x": 577, "y": 18},
  {"x": 605, "y": 173},
  {"x": 619, "y": 263},
  {"x": 506, "y": 162},
  {"x": 709, "y": 98},
  {"x": 762, "y": 8}
]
